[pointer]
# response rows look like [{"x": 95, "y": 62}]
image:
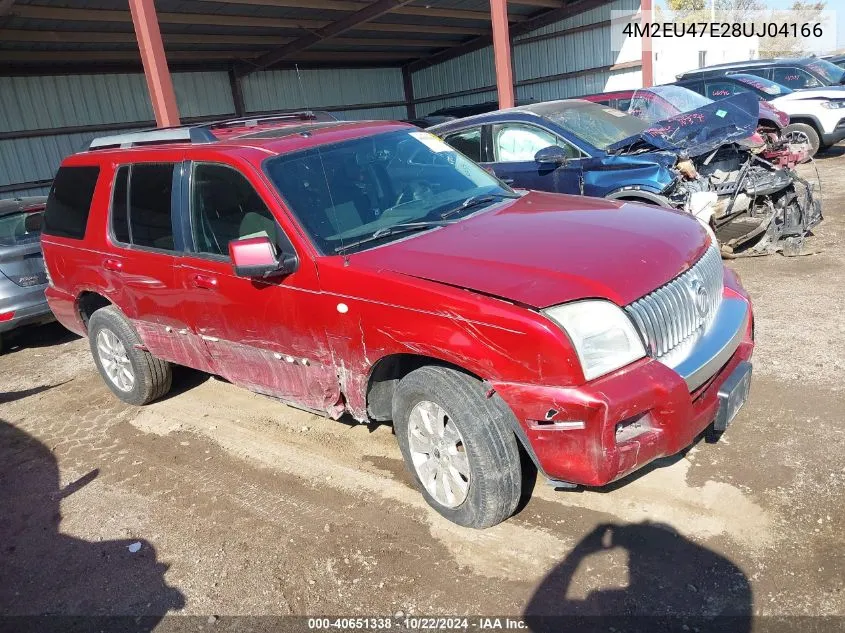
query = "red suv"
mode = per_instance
[{"x": 366, "y": 268}]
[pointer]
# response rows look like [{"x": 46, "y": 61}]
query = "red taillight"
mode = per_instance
[{"x": 7, "y": 316}]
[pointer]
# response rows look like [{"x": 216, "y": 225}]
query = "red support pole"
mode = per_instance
[
  {"x": 647, "y": 54},
  {"x": 159, "y": 82},
  {"x": 502, "y": 52}
]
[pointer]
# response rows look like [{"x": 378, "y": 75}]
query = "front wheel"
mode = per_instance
[
  {"x": 803, "y": 133},
  {"x": 458, "y": 447}
]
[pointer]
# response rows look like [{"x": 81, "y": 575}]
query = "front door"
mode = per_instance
[
  {"x": 265, "y": 335},
  {"x": 514, "y": 146}
]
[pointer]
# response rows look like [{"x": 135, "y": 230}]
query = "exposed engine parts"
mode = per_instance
[{"x": 752, "y": 206}]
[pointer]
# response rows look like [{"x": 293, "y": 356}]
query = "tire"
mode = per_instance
[
  {"x": 151, "y": 377},
  {"x": 808, "y": 131},
  {"x": 494, "y": 476}
]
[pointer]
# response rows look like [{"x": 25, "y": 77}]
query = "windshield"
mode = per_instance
[
  {"x": 831, "y": 72},
  {"x": 662, "y": 102},
  {"x": 20, "y": 228},
  {"x": 770, "y": 88},
  {"x": 598, "y": 125},
  {"x": 346, "y": 192}
]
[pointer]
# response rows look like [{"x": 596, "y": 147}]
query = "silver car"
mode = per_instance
[{"x": 23, "y": 277}]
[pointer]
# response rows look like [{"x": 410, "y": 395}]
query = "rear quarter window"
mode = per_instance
[{"x": 69, "y": 202}]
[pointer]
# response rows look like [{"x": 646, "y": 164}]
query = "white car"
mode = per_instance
[{"x": 821, "y": 109}]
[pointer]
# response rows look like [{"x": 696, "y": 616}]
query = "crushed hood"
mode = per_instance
[
  {"x": 545, "y": 249},
  {"x": 701, "y": 130}
]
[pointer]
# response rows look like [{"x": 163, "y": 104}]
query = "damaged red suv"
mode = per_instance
[{"x": 368, "y": 269}]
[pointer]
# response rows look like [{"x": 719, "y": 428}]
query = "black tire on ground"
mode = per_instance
[
  {"x": 798, "y": 129},
  {"x": 153, "y": 376},
  {"x": 489, "y": 442}
]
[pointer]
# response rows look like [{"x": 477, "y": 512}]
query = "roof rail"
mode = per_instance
[
  {"x": 259, "y": 119},
  {"x": 196, "y": 134},
  {"x": 201, "y": 133}
]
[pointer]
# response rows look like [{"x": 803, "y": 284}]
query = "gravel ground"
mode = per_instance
[{"x": 238, "y": 505}]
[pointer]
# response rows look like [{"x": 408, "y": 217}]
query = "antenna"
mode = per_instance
[{"x": 322, "y": 166}]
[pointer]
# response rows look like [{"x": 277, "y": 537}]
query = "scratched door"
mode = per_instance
[{"x": 264, "y": 335}]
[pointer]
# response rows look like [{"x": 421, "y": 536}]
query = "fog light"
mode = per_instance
[{"x": 633, "y": 427}]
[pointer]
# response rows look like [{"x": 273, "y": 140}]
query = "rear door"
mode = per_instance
[
  {"x": 148, "y": 242},
  {"x": 514, "y": 146},
  {"x": 265, "y": 335}
]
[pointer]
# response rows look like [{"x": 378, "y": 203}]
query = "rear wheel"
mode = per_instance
[
  {"x": 803, "y": 133},
  {"x": 134, "y": 375},
  {"x": 458, "y": 447}
]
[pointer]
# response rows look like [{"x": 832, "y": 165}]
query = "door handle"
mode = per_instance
[
  {"x": 114, "y": 265},
  {"x": 205, "y": 281},
  {"x": 507, "y": 181}
]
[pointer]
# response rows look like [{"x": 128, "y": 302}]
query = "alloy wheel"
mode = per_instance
[
  {"x": 114, "y": 360},
  {"x": 439, "y": 454}
]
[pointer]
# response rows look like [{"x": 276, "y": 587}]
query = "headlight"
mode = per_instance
[
  {"x": 833, "y": 105},
  {"x": 603, "y": 335}
]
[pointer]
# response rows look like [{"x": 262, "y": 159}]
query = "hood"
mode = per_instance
[
  {"x": 544, "y": 249},
  {"x": 701, "y": 130},
  {"x": 836, "y": 93}
]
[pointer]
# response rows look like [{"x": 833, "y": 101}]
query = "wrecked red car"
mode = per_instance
[{"x": 367, "y": 269}]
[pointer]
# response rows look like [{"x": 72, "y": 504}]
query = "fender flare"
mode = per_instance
[{"x": 630, "y": 192}]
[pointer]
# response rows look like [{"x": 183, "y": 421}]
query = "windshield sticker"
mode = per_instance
[
  {"x": 721, "y": 114},
  {"x": 431, "y": 142},
  {"x": 614, "y": 112}
]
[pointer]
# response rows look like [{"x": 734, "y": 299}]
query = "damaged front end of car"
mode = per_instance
[{"x": 752, "y": 206}]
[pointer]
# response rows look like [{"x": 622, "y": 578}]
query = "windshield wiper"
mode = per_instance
[
  {"x": 474, "y": 201},
  {"x": 406, "y": 227}
]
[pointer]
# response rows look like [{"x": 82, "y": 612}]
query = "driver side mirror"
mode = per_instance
[
  {"x": 551, "y": 155},
  {"x": 256, "y": 258}
]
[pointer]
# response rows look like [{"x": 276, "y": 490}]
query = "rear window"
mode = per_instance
[
  {"x": 17, "y": 229},
  {"x": 70, "y": 201}
]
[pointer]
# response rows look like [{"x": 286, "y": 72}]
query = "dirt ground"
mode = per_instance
[{"x": 241, "y": 505}]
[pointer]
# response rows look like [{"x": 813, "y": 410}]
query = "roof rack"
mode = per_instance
[{"x": 201, "y": 133}]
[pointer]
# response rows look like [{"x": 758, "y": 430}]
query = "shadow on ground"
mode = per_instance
[
  {"x": 36, "y": 336},
  {"x": 45, "y": 572},
  {"x": 672, "y": 584}
]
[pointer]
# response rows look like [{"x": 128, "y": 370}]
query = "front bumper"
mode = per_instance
[
  {"x": 28, "y": 304},
  {"x": 601, "y": 431},
  {"x": 836, "y": 133}
]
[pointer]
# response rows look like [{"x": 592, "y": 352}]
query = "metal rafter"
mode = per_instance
[
  {"x": 544, "y": 19},
  {"x": 368, "y": 13}
]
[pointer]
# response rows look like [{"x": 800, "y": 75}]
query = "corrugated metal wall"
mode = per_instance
[
  {"x": 48, "y": 103},
  {"x": 572, "y": 53}
]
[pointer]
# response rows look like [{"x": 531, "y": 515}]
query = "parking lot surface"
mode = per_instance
[{"x": 218, "y": 501}]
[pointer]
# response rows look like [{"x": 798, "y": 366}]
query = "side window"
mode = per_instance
[
  {"x": 517, "y": 142},
  {"x": 226, "y": 207},
  {"x": 467, "y": 143},
  {"x": 720, "y": 89},
  {"x": 142, "y": 204},
  {"x": 795, "y": 78},
  {"x": 765, "y": 73},
  {"x": 120, "y": 206},
  {"x": 69, "y": 202}
]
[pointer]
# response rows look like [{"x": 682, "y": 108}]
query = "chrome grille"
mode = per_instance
[{"x": 683, "y": 307}]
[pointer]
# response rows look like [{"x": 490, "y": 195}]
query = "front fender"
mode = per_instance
[{"x": 637, "y": 191}]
